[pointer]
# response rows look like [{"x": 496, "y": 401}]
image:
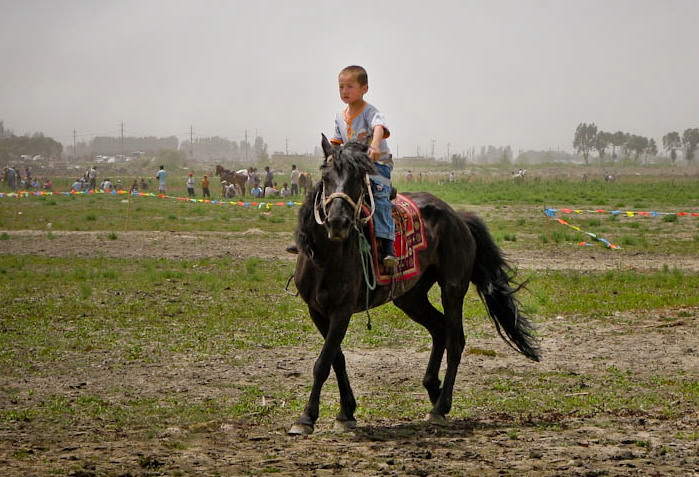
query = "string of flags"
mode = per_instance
[
  {"x": 627, "y": 213},
  {"x": 41, "y": 193}
]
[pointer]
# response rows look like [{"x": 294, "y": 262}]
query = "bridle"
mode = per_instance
[{"x": 321, "y": 203}]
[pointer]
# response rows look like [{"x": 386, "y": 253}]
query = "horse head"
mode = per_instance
[
  {"x": 345, "y": 182},
  {"x": 219, "y": 169}
]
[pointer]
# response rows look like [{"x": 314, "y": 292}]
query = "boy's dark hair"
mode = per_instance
[{"x": 358, "y": 72}]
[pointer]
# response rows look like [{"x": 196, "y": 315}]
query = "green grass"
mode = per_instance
[
  {"x": 58, "y": 312},
  {"x": 145, "y": 311}
]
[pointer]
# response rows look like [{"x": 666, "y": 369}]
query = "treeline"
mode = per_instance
[
  {"x": 588, "y": 140},
  {"x": 14, "y": 147}
]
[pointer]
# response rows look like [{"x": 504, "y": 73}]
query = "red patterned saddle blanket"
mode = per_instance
[{"x": 410, "y": 239}]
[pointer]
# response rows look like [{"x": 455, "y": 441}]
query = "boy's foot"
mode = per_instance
[
  {"x": 292, "y": 249},
  {"x": 390, "y": 261}
]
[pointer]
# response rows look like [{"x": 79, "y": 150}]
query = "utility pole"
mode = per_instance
[
  {"x": 448, "y": 144},
  {"x": 246, "y": 146},
  {"x": 287, "y": 147},
  {"x": 75, "y": 151},
  {"x": 122, "y": 140},
  {"x": 432, "y": 148},
  {"x": 191, "y": 143}
]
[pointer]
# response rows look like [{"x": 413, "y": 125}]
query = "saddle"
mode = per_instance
[{"x": 410, "y": 239}]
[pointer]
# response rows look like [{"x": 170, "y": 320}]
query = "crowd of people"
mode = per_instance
[
  {"x": 13, "y": 177},
  {"x": 254, "y": 185}
]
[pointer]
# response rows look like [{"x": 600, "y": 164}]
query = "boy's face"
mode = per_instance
[{"x": 351, "y": 92}]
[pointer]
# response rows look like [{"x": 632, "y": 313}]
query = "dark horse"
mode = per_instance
[{"x": 329, "y": 278}]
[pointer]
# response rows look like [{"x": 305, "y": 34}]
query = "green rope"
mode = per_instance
[{"x": 367, "y": 269}]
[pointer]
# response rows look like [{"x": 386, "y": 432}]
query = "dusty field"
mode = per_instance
[
  {"x": 255, "y": 243},
  {"x": 483, "y": 444}
]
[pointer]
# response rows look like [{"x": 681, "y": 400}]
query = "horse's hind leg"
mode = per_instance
[
  {"x": 417, "y": 306},
  {"x": 452, "y": 301}
]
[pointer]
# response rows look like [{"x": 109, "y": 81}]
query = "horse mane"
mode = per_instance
[{"x": 348, "y": 160}]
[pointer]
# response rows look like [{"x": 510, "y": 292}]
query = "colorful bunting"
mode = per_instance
[
  {"x": 40, "y": 193},
  {"x": 552, "y": 213}
]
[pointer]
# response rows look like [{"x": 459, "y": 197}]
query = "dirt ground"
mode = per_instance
[
  {"x": 256, "y": 243},
  {"x": 483, "y": 445}
]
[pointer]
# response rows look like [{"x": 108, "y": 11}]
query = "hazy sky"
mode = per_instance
[{"x": 467, "y": 73}]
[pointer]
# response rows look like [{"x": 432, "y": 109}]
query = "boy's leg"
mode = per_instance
[
  {"x": 389, "y": 260},
  {"x": 383, "y": 216}
]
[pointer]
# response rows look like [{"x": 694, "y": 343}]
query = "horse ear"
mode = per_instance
[{"x": 327, "y": 147}]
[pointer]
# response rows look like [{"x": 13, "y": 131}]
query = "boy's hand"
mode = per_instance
[{"x": 374, "y": 153}]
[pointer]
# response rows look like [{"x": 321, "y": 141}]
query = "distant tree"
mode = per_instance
[
  {"x": 584, "y": 140},
  {"x": 651, "y": 149},
  {"x": 13, "y": 147},
  {"x": 458, "y": 161},
  {"x": 602, "y": 141},
  {"x": 690, "y": 139},
  {"x": 506, "y": 155},
  {"x": 671, "y": 143},
  {"x": 637, "y": 145},
  {"x": 260, "y": 149},
  {"x": 618, "y": 139},
  {"x": 170, "y": 158}
]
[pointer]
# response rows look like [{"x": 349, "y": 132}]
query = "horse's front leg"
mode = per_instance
[{"x": 333, "y": 329}]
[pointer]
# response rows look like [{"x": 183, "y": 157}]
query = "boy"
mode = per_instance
[
  {"x": 161, "y": 176},
  {"x": 190, "y": 184},
  {"x": 205, "y": 187},
  {"x": 356, "y": 122}
]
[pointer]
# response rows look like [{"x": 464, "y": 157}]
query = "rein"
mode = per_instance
[{"x": 321, "y": 203}]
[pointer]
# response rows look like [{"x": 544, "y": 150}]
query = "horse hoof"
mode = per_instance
[
  {"x": 344, "y": 426},
  {"x": 300, "y": 430},
  {"x": 436, "y": 419}
]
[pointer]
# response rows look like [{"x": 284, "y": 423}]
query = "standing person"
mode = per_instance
[
  {"x": 294, "y": 179},
  {"x": 358, "y": 121},
  {"x": 269, "y": 177},
  {"x": 11, "y": 178},
  {"x": 205, "y": 187},
  {"x": 92, "y": 178},
  {"x": 161, "y": 175},
  {"x": 190, "y": 184}
]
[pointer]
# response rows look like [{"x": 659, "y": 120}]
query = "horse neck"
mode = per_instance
[{"x": 340, "y": 257}]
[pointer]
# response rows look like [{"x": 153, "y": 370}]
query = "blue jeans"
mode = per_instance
[{"x": 384, "y": 226}]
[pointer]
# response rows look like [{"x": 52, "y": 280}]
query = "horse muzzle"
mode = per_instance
[{"x": 338, "y": 230}]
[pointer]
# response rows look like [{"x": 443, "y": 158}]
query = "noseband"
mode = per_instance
[{"x": 321, "y": 203}]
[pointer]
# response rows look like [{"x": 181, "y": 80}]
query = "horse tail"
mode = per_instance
[{"x": 494, "y": 281}]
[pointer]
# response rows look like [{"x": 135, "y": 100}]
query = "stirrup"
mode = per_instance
[{"x": 390, "y": 261}]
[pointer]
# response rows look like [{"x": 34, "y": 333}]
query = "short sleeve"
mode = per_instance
[
  {"x": 337, "y": 135},
  {"x": 378, "y": 119}
]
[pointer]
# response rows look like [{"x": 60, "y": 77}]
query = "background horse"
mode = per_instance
[
  {"x": 305, "y": 182},
  {"x": 232, "y": 177},
  {"x": 329, "y": 278}
]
